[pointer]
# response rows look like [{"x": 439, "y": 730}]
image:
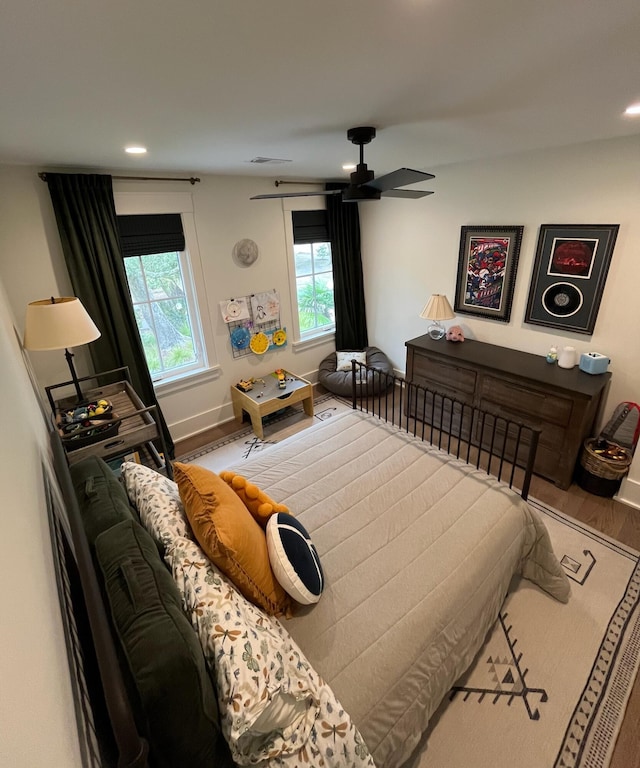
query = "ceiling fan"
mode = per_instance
[{"x": 364, "y": 185}]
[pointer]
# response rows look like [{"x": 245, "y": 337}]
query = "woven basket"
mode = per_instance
[{"x": 601, "y": 466}]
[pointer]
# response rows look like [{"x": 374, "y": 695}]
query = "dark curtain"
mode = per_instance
[
  {"x": 343, "y": 224},
  {"x": 86, "y": 217}
]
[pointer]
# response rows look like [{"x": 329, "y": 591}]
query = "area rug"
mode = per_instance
[
  {"x": 550, "y": 686},
  {"x": 244, "y": 444}
]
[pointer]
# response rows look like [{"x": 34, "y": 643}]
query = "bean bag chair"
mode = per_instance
[{"x": 339, "y": 381}]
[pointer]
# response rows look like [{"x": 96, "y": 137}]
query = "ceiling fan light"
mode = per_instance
[{"x": 632, "y": 109}]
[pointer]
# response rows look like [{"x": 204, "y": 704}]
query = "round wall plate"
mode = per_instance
[
  {"x": 234, "y": 309},
  {"x": 259, "y": 343},
  {"x": 279, "y": 337},
  {"x": 240, "y": 338},
  {"x": 245, "y": 252}
]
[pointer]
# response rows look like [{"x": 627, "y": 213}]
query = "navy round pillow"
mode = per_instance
[{"x": 294, "y": 559}]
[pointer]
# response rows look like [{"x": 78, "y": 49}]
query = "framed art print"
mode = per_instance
[
  {"x": 569, "y": 273},
  {"x": 487, "y": 265}
]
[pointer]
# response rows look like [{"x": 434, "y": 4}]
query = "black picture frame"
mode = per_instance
[
  {"x": 569, "y": 274},
  {"x": 487, "y": 265}
]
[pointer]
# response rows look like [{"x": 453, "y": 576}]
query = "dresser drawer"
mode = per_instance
[
  {"x": 443, "y": 377},
  {"x": 552, "y": 434},
  {"x": 523, "y": 401}
]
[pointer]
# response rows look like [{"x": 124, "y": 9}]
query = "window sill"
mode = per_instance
[
  {"x": 186, "y": 380},
  {"x": 313, "y": 341}
]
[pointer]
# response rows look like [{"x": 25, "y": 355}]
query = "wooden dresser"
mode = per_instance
[{"x": 563, "y": 403}]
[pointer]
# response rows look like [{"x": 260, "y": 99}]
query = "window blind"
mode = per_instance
[
  {"x": 151, "y": 233},
  {"x": 310, "y": 227}
]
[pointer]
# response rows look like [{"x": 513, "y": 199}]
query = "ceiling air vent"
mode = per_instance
[{"x": 269, "y": 160}]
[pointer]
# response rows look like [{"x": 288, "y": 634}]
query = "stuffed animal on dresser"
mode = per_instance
[{"x": 455, "y": 333}]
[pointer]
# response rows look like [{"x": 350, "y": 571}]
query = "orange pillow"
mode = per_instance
[
  {"x": 255, "y": 500},
  {"x": 229, "y": 536}
]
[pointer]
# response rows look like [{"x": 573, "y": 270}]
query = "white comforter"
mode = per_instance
[{"x": 418, "y": 551}]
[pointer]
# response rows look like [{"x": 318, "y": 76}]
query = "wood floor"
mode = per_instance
[{"x": 606, "y": 515}]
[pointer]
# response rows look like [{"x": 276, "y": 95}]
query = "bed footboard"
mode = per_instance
[{"x": 504, "y": 447}]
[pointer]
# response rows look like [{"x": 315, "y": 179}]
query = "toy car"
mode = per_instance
[{"x": 245, "y": 385}]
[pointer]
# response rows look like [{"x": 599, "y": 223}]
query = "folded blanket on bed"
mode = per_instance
[{"x": 418, "y": 551}]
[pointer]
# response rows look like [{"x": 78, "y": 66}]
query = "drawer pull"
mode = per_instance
[{"x": 113, "y": 444}]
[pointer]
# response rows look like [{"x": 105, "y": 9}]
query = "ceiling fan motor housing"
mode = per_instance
[{"x": 355, "y": 192}]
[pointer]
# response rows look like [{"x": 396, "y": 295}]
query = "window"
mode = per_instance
[
  {"x": 164, "y": 308},
  {"x": 161, "y": 286},
  {"x": 313, "y": 273}
]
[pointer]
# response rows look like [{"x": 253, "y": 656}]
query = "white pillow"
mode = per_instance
[
  {"x": 344, "y": 359},
  {"x": 294, "y": 559}
]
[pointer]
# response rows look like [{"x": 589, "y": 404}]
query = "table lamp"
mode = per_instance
[
  {"x": 436, "y": 309},
  {"x": 59, "y": 323}
]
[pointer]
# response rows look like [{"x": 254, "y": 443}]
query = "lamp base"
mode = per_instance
[{"x": 435, "y": 330}]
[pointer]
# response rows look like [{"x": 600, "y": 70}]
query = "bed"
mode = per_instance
[{"x": 418, "y": 545}]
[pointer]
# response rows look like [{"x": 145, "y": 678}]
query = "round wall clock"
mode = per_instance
[{"x": 245, "y": 252}]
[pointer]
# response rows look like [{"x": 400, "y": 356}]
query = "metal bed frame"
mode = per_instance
[{"x": 504, "y": 447}]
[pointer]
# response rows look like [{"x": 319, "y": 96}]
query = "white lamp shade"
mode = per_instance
[
  {"x": 57, "y": 324},
  {"x": 437, "y": 308}
]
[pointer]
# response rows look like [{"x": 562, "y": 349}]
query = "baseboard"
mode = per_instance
[{"x": 629, "y": 493}]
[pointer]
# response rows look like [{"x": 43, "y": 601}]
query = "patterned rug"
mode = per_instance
[{"x": 550, "y": 686}]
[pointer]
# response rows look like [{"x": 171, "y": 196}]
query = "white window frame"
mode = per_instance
[
  {"x": 134, "y": 203},
  {"x": 315, "y": 337}
]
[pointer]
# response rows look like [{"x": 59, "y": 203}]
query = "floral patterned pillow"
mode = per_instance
[
  {"x": 274, "y": 705},
  {"x": 158, "y": 503}
]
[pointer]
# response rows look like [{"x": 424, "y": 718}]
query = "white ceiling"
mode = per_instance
[{"x": 208, "y": 85}]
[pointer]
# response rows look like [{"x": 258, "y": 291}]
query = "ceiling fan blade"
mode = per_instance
[
  {"x": 399, "y": 178},
  {"x": 297, "y": 194},
  {"x": 405, "y": 193}
]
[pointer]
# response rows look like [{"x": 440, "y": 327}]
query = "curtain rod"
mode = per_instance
[{"x": 192, "y": 179}]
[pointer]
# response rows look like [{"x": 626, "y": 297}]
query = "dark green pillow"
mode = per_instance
[
  {"x": 164, "y": 655},
  {"x": 101, "y": 497}
]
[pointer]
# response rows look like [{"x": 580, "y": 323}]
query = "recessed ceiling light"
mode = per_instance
[
  {"x": 634, "y": 109},
  {"x": 349, "y": 167},
  {"x": 136, "y": 150}
]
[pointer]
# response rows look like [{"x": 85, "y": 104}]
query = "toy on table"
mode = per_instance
[{"x": 280, "y": 375}]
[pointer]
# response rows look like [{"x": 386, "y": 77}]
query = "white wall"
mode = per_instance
[
  {"x": 410, "y": 250},
  {"x": 36, "y": 706}
]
